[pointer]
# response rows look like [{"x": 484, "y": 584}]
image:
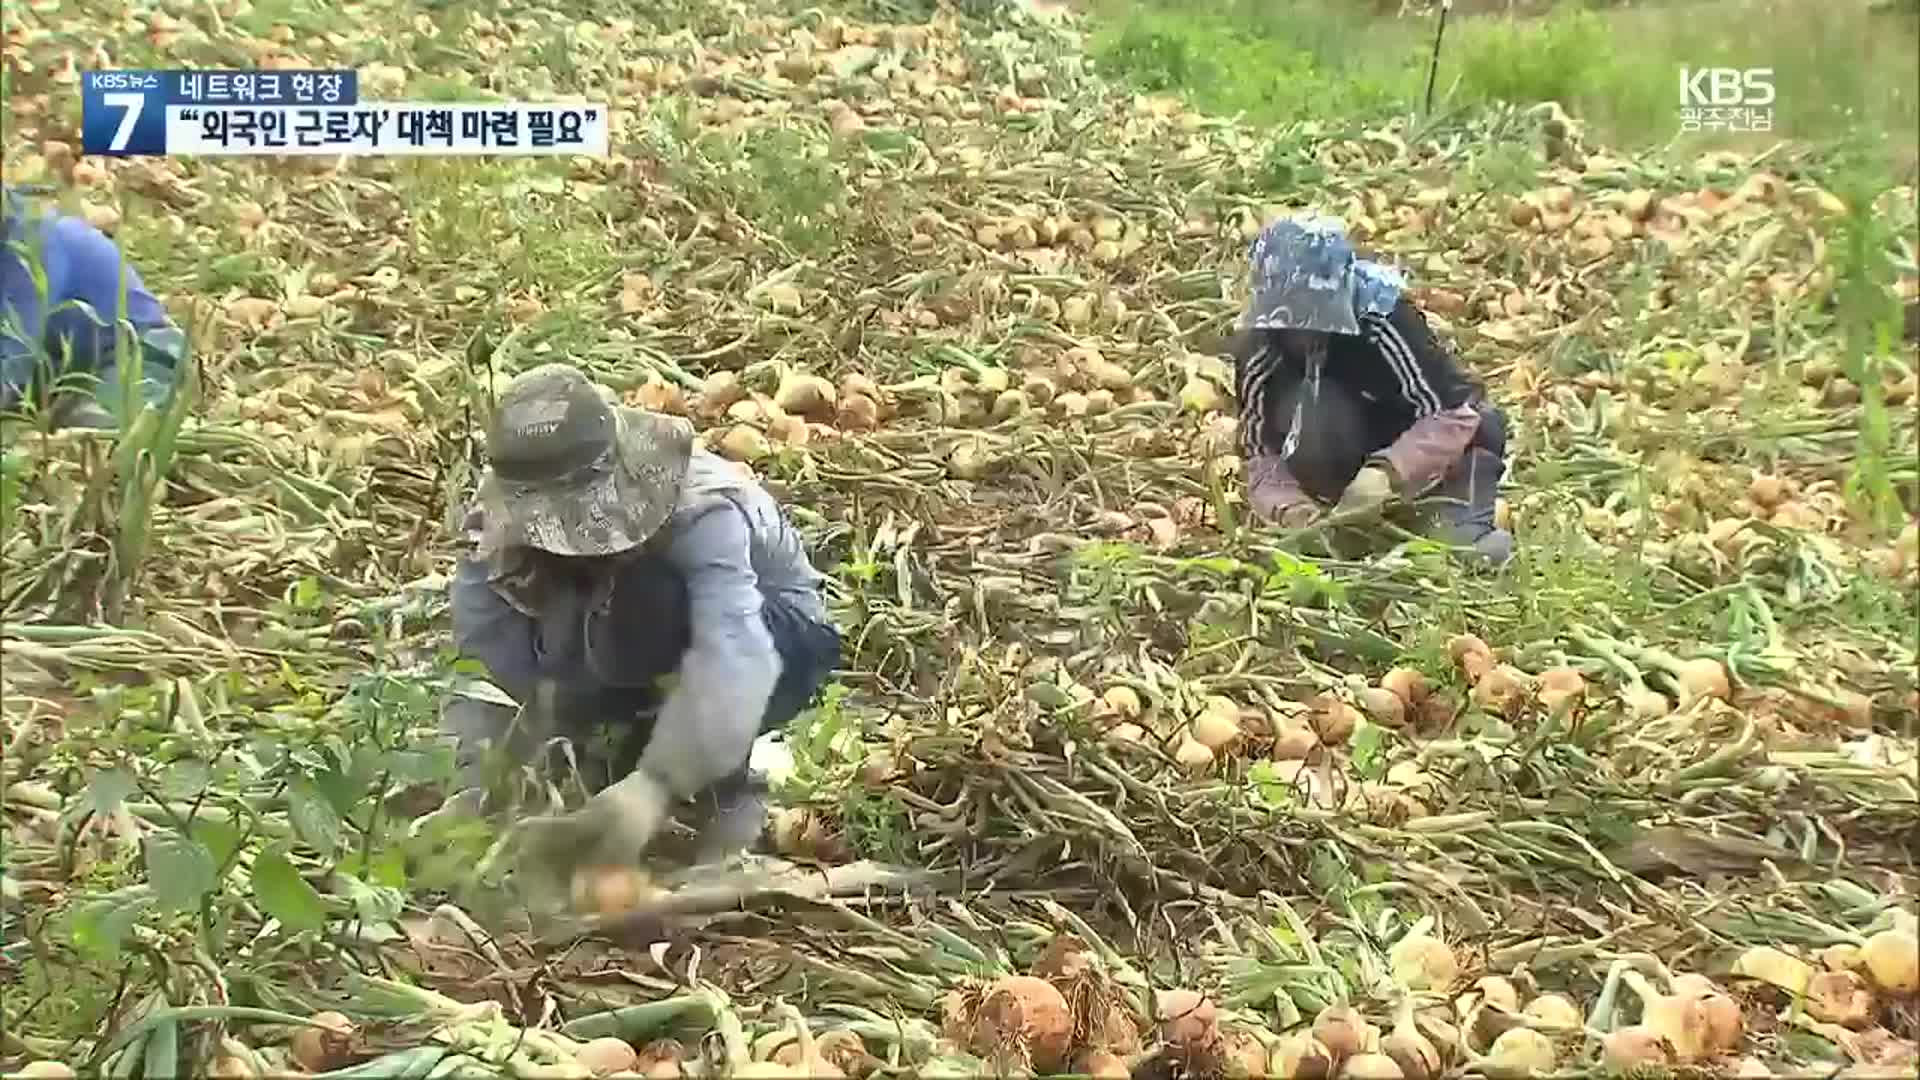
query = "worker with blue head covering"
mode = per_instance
[
  {"x": 1347, "y": 399},
  {"x": 72, "y": 310}
]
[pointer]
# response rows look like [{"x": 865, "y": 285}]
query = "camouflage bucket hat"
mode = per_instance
[
  {"x": 572, "y": 474},
  {"x": 1305, "y": 276}
]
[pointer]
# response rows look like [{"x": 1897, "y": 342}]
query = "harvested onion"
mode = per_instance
[
  {"x": 1383, "y": 707},
  {"x": 1342, "y": 1030},
  {"x": 1520, "y": 1052},
  {"x": 1186, "y": 1018},
  {"x": 326, "y": 1046},
  {"x": 1101, "y": 1065},
  {"x": 1555, "y": 1013},
  {"x": 1026, "y": 1014},
  {"x": 1371, "y": 1067},
  {"x": 1423, "y": 962},
  {"x": 1294, "y": 741},
  {"x": 1244, "y": 1055},
  {"x": 1840, "y": 997},
  {"x": 1407, "y": 684},
  {"x": 1631, "y": 1049},
  {"x": 1218, "y": 726},
  {"x": 1561, "y": 686},
  {"x": 1193, "y": 755},
  {"x": 1701, "y": 678},
  {"x": 608, "y": 1055},
  {"x": 1334, "y": 720},
  {"x": 1416, "y": 1055},
  {"x": 1302, "y": 1057},
  {"x": 1891, "y": 957},
  {"x": 1680, "y": 1020}
]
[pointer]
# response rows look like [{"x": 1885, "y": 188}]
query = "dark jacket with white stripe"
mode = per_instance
[{"x": 1418, "y": 406}]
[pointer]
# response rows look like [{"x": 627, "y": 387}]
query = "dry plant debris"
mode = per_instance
[{"x": 1194, "y": 800}]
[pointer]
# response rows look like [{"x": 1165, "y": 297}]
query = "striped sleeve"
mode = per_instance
[
  {"x": 1427, "y": 378},
  {"x": 1255, "y": 374}
]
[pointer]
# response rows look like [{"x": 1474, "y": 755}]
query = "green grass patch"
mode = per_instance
[{"x": 1836, "y": 67}]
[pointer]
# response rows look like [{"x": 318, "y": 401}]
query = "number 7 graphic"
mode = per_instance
[{"x": 133, "y": 103}]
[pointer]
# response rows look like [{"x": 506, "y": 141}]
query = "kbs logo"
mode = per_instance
[{"x": 1726, "y": 99}]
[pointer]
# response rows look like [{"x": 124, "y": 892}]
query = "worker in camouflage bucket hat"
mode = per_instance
[
  {"x": 610, "y": 553},
  {"x": 1347, "y": 399}
]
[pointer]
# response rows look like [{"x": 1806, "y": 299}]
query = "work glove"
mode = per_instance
[
  {"x": 1370, "y": 490},
  {"x": 613, "y": 829},
  {"x": 1299, "y": 515}
]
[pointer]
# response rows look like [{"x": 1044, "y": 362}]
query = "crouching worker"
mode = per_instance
[
  {"x": 69, "y": 304},
  {"x": 611, "y": 554},
  {"x": 1346, "y": 399}
]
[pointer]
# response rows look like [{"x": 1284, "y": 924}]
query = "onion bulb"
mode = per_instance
[
  {"x": 1102, "y": 1065},
  {"x": 806, "y": 395},
  {"x": 1461, "y": 646},
  {"x": 608, "y": 1055},
  {"x": 1302, "y": 1057},
  {"x": 1123, "y": 701},
  {"x": 1293, "y": 741},
  {"x": 1416, "y": 1055},
  {"x": 1024, "y": 1013},
  {"x": 1423, "y": 962},
  {"x": 1342, "y": 1030},
  {"x": 1520, "y": 1052},
  {"x": 325, "y": 1046},
  {"x": 1561, "y": 686},
  {"x": 1631, "y": 1049},
  {"x": 1499, "y": 688},
  {"x": 1245, "y": 1055},
  {"x": 1334, "y": 720},
  {"x": 1681, "y": 1021},
  {"x": 46, "y": 1070},
  {"x": 1842, "y": 957},
  {"x": 610, "y": 890},
  {"x": 1646, "y": 703},
  {"x": 1218, "y": 726},
  {"x": 1773, "y": 967},
  {"x": 1840, "y": 997},
  {"x": 1726, "y": 1025},
  {"x": 1498, "y": 991},
  {"x": 1193, "y": 755},
  {"x": 1383, "y": 707},
  {"x": 1407, "y": 684},
  {"x": 1555, "y": 1013},
  {"x": 660, "y": 1060},
  {"x": 1186, "y": 1018},
  {"x": 1371, "y": 1067},
  {"x": 1701, "y": 678},
  {"x": 1891, "y": 957}
]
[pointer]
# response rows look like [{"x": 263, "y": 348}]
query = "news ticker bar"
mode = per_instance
[{"x": 162, "y": 113}]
